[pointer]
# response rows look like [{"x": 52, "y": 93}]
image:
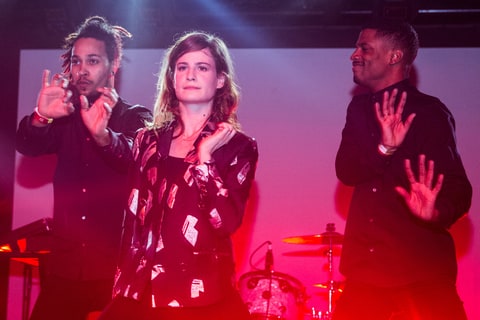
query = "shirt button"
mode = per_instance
[
  {"x": 374, "y": 189},
  {"x": 84, "y": 218},
  {"x": 371, "y": 250},
  {"x": 84, "y": 190}
]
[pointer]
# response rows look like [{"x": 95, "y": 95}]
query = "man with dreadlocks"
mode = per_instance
[{"x": 80, "y": 118}]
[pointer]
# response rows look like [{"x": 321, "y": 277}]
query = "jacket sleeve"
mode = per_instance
[
  {"x": 358, "y": 159},
  {"x": 436, "y": 131},
  {"x": 225, "y": 183},
  {"x": 141, "y": 153},
  {"x": 35, "y": 141},
  {"x": 122, "y": 131}
]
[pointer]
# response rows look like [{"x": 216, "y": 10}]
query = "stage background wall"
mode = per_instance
[{"x": 294, "y": 103}]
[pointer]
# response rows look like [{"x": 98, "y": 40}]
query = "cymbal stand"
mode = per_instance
[{"x": 331, "y": 283}]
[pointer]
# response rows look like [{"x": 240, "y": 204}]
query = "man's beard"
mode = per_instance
[
  {"x": 93, "y": 97},
  {"x": 75, "y": 99}
]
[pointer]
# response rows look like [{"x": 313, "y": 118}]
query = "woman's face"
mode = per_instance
[{"x": 195, "y": 78}]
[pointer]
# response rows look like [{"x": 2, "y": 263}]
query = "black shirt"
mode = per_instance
[
  {"x": 90, "y": 189},
  {"x": 385, "y": 244}
]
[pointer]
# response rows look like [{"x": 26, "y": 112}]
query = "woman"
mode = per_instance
[{"x": 190, "y": 182}]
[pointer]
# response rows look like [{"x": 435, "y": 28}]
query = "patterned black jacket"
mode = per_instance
[{"x": 179, "y": 220}]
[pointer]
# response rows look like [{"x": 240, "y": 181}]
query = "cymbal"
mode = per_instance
[
  {"x": 329, "y": 237},
  {"x": 322, "y": 252},
  {"x": 336, "y": 285}
]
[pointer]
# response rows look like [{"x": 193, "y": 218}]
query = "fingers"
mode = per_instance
[
  {"x": 401, "y": 191},
  {"x": 68, "y": 105},
  {"x": 84, "y": 102},
  {"x": 439, "y": 184},
  {"x": 378, "y": 111},
  {"x": 226, "y": 128},
  {"x": 97, "y": 106},
  {"x": 421, "y": 169},
  {"x": 385, "y": 106},
  {"x": 391, "y": 102},
  {"x": 109, "y": 95},
  {"x": 430, "y": 177},
  {"x": 70, "y": 108},
  {"x": 426, "y": 174},
  {"x": 46, "y": 78},
  {"x": 58, "y": 79},
  {"x": 108, "y": 109},
  {"x": 409, "y": 172},
  {"x": 429, "y": 174},
  {"x": 224, "y": 133},
  {"x": 388, "y": 107},
  {"x": 68, "y": 95},
  {"x": 409, "y": 120},
  {"x": 401, "y": 103}
]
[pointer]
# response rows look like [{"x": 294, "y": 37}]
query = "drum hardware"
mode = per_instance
[
  {"x": 337, "y": 286},
  {"x": 316, "y": 314},
  {"x": 269, "y": 294},
  {"x": 330, "y": 238},
  {"x": 321, "y": 252},
  {"x": 272, "y": 295}
]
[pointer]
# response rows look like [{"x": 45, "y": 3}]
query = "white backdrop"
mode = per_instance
[{"x": 294, "y": 103}]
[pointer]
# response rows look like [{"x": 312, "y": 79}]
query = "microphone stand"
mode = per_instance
[
  {"x": 331, "y": 283},
  {"x": 269, "y": 270}
]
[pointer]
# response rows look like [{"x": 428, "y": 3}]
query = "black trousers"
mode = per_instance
[{"x": 422, "y": 301}]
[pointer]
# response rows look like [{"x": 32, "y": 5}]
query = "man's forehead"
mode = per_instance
[
  {"x": 89, "y": 47},
  {"x": 368, "y": 33},
  {"x": 371, "y": 37}
]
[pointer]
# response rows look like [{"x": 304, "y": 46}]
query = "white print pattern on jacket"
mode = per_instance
[{"x": 189, "y": 231}]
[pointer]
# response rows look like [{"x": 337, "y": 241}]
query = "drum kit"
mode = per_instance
[{"x": 270, "y": 294}]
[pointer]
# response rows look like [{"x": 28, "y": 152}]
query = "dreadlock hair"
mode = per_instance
[{"x": 98, "y": 28}]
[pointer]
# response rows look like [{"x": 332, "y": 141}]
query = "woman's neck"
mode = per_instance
[
  {"x": 193, "y": 123},
  {"x": 194, "y": 119}
]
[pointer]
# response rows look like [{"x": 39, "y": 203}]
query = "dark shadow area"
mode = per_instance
[
  {"x": 246, "y": 23},
  {"x": 343, "y": 196},
  {"x": 463, "y": 232},
  {"x": 243, "y": 237},
  {"x": 34, "y": 172}
]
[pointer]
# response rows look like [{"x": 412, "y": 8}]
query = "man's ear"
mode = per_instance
[
  {"x": 115, "y": 66},
  {"x": 396, "y": 56}
]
